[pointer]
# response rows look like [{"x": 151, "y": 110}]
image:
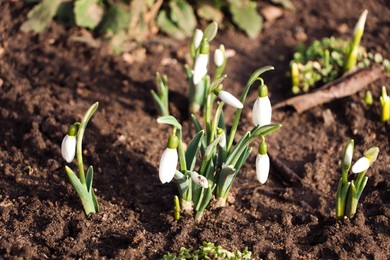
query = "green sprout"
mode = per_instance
[
  {"x": 327, "y": 59},
  {"x": 211, "y": 162},
  {"x": 208, "y": 251},
  {"x": 161, "y": 97},
  {"x": 368, "y": 98},
  {"x": 385, "y": 105},
  {"x": 349, "y": 192},
  {"x": 71, "y": 146}
]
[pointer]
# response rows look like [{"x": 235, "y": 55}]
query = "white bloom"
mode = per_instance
[
  {"x": 198, "y": 36},
  {"x": 262, "y": 111},
  {"x": 218, "y": 58},
  {"x": 348, "y": 154},
  {"x": 222, "y": 140},
  {"x": 361, "y": 165},
  {"x": 262, "y": 167},
  {"x": 230, "y": 99},
  {"x": 168, "y": 164},
  {"x": 68, "y": 148},
  {"x": 200, "y": 180},
  {"x": 362, "y": 20},
  {"x": 200, "y": 68}
]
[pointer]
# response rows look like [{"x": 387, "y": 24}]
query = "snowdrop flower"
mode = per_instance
[
  {"x": 201, "y": 62},
  {"x": 359, "y": 27},
  {"x": 68, "y": 146},
  {"x": 219, "y": 56},
  {"x": 200, "y": 180},
  {"x": 365, "y": 162},
  {"x": 262, "y": 163},
  {"x": 385, "y": 105},
  {"x": 262, "y": 109},
  {"x": 169, "y": 161},
  {"x": 228, "y": 98},
  {"x": 198, "y": 36},
  {"x": 348, "y": 154}
]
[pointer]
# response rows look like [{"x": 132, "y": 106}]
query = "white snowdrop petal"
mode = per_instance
[
  {"x": 168, "y": 164},
  {"x": 361, "y": 22},
  {"x": 230, "y": 99},
  {"x": 361, "y": 165},
  {"x": 262, "y": 167},
  {"x": 262, "y": 111},
  {"x": 68, "y": 148},
  {"x": 200, "y": 180},
  {"x": 198, "y": 38},
  {"x": 218, "y": 58},
  {"x": 200, "y": 68},
  {"x": 222, "y": 140}
]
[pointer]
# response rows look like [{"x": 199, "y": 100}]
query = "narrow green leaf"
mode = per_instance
[
  {"x": 170, "y": 120},
  {"x": 162, "y": 109},
  {"x": 257, "y": 73},
  {"x": 266, "y": 129},
  {"x": 89, "y": 178},
  {"x": 236, "y": 149},
  {"x": 183, "y": 182},
  {"x": 84, "y": 195},
  {"x": 183, "y": 16},
  {"x": 193, "y": 150},
  {"x": 211, "y": 31},
  {"x": 166, "y": 25},
  {"x": 244, "y": 156}
]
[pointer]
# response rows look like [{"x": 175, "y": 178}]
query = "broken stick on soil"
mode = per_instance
[{"x": 346, "y": 85}]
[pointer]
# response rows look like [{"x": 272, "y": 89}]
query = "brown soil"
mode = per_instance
[{"x": 47, "y": 82}]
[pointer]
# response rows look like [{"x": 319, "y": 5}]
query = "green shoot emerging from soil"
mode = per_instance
[
  {"x": 349, "y": 192},
  {"x": 327, "y": 59},
  {"x": 385, "y": 106},
  {"x": 219, "y": 160},
  {"x": 208, "y": 251},
  {"x": 71, "y": 146}
]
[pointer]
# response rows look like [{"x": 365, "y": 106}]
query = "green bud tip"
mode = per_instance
[
  {"x": 218, "y": 89},
  {"x": 173, "y": 142},
  {"x": 263, "y": 146},
  {"x": 72, "y": 131},
  {"x": 263, "y": 90},
  {"x": 219, "y": 131},
  {"x": 371, "y": 154},
  {"x": 204, "y": 46}
]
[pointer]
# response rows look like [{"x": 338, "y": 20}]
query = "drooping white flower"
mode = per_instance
[
  {"x": 218, "y": 58},
  {"x": 361, "y": 165},
  {"x": 68, "y": 148},
  {"x": 222, "y": 140},
  {"x": 262, "y": 111},
  {"x": 230, "y": 99},
  {"x": 262, "y": 167},
  {"x": 200, "y": 180},
  {"x": 198, "y": 36},
  {"x": 200, "y": 68},
  {"x": 168, "y": 164}
]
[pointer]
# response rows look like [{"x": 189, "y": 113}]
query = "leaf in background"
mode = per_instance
[
  {"x": 209, "y": 12},
  {"x": 183, "y": 16},
  {"x": 246, "y": 17},
  {"x": 40, "y": 17},
  {"x": 285, "y": 3},
  {"x": 167, "y": 26},
  {"x": 65, "y": 12},
  {"x": 116, "y": 19},
  {"x": 88, "y": 13}
]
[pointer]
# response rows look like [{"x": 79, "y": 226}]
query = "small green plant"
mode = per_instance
[
  {"x": 349, "y": 192},
  {"x": 327, "y": 59},
  {"x": 212, "y": 146},
  {"x": 385, "y": 105},
  {"x": 368, "y": 98},
  {"x": 208, "y": 251},
  {"x": 71, "y": 146},
  {"x": 161, "y": 97}
]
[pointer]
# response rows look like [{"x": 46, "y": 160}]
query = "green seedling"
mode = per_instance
[
  {"x": 72, "y": 146},
  {"x": 385, "y": 105},
  {"x": 161, "y": 96}
]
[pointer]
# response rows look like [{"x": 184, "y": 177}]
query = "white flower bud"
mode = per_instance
[
  {"x": 218, "y": 58},
  {"x": 222, "y": 140},
  {"x": 361, "y": 165},
  {"x": 198, "y": 36},
  {"x": 262, "y": 167},
  {"x": 200, "y": 68},
  {"x": 262, "y": 111},
  {"x": 168, "y": 164},
  {"x": 68, "y": 148},
  {"x": 361, "y": 22},
  {"x": 230, "y": 99},
  {"x": 200, "y": 180}
]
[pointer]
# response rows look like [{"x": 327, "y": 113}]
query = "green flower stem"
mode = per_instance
[
  {"x": 80, "y": 134},
  {"x": 180, "y": 149},
  {"x": 215, "y": 121},
  {"x": 251, "y": 80},
  {"x": 359, "y": 180}
]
